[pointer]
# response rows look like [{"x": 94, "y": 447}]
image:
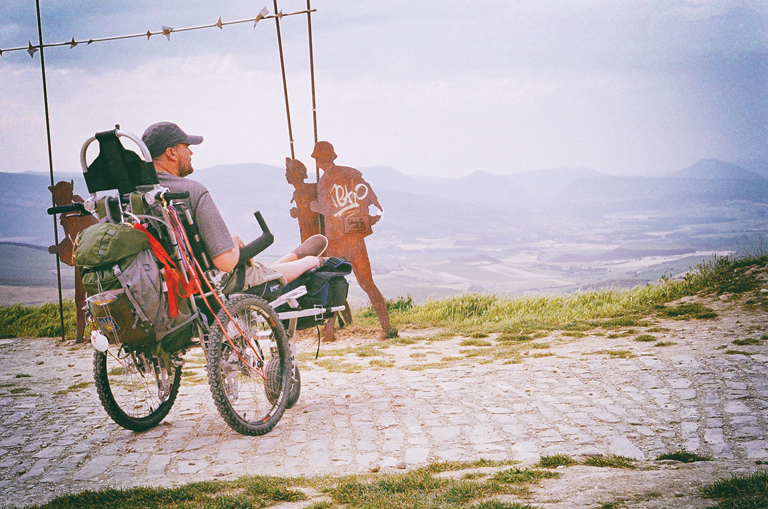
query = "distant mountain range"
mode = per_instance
[
  {"x": 541, "y": 231},
  {"x": 528, "y": 205}
]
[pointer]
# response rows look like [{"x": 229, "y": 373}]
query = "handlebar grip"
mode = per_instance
[
  {"x": 260, "y": 220},
  {"x": 174, "y": 196},
  {"x": 63, "y": 209},
  {"x": 260, "y": 244}
]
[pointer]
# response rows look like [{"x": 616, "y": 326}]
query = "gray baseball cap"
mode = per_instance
[{"x": 163, "y": 135}]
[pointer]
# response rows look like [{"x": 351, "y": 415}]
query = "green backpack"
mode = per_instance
[{"x": 126, "y": 296}]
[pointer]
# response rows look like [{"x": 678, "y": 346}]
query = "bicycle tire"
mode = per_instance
[
  {"x": 293, "y": 396},
  {"x": 127, "y": 384},
  {"x": 249, "y": 383}
]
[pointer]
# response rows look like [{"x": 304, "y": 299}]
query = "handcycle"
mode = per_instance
[{"x": 252, "y": 373}]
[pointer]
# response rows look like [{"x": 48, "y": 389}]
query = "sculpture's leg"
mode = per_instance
[
  {"x": 361, "y": 266},
  {"x": 346, "y": 314},
  {"x": 378, "y": 303},
  {"x": 329, "y": 329}
]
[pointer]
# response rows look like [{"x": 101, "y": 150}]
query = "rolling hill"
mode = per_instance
[{"x": 557, "y": 229}]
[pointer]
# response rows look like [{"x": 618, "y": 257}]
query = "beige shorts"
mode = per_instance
[{"x": 239, "y": 280}]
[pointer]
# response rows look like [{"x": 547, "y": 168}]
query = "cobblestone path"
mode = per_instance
[{"x": 689, "y": 395}]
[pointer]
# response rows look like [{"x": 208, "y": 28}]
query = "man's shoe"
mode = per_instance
[{"x": 313, "y": 246}]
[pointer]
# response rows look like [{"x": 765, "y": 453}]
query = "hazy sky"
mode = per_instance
[{"x": 434, "y": 88}]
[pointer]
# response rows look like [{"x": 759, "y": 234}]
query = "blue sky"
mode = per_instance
[{"x": 432, "y": 88}]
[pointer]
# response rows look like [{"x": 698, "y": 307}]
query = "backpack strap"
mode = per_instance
[{"x": 174, "y": 280}]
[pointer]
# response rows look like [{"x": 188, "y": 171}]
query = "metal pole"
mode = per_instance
[
  {"x": 50, "y": 162},
  {"x": 285, "y": 83},
  {"x": 321, "y": 222},
  {"x": 312, "y": 72}
]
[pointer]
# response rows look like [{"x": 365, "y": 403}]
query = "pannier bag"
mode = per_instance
[
  {"x": 326, "y": 287},
  {"x": 124, "y": 284}
]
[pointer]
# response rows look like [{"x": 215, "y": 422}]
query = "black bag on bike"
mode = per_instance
[{"x": 326, "y": 287}]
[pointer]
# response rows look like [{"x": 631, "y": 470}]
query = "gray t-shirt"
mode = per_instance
[{"x": 213, "y": 230}]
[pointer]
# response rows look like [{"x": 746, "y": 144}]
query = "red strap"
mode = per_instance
[{"x": 174, "y": 280}]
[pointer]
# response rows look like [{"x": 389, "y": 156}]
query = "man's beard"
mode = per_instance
[{"x": 186, "y": 170}]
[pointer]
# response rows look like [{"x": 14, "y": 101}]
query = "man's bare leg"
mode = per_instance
[{"x": 293, "y": 269}]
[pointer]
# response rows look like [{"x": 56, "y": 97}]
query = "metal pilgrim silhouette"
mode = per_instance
[
  {"x": 73, "y": 223},
  {"x": 343, "y": 198}
]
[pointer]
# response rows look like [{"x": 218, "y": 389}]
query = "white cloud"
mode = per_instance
[{"x": 645, "y": 86}]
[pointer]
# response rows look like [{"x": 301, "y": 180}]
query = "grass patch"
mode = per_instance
[
  {"x": 687, "y": 311},
  {"x": 644, "y": 338},
  {"x": 747, "y": 341},
  {"x": 380, "y": 363},
  {"x": 404, "y": 341},
  {"x": 474, "y": 342},
  {"x": 555, "y": 461},
  {"x": 74, "y": 387},
  {"x": 664, "y": 343},
  {"x": 745, "y": 491},
  {"x": 246, "y": 492},
  {"x": 623, "y": 321},
  {"x": 612, "y": 461},
  {"x": 429, "y": 365},
  {"x": 613, "y": 354},
  {"x": 523, "y": 475},
  {"x": 337, "y": 366},
  {"x": 19, "y": 321},
  {"x": 453, "y": 466},
  {"x": 738, "y": 352},
  {"x": 422, "y": 488},
  {"x": 513, "y": 338},
  {"x": 684, "y": 456}
]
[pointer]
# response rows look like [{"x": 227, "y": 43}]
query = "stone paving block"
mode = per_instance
[
  {"x": 191, "y": 466},
  {"x": 692, "y": 444},
  {"x": 365, "y": 460},
  {"x": 94, "y": 468},
  {"x": 736, "y": 407},
  {"x": 622, "y": 446},
  {"x": 36, "y": 471}
]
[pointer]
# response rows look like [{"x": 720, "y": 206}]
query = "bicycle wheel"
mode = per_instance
[
  {"x": 293, "y": 396},
  {"x": 136, "y": 390},
  {"x": 250, "y": 375}
]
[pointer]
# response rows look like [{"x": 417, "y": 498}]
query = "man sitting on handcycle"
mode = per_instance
[{"x": 169, "y": 147}]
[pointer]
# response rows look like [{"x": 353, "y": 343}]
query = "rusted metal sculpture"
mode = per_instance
[
  {"x": 309, "y": 221},
  {"x": 73, "y": 223},
  {"x": 304, "y": 194},
  {"x": 343, "y": 198}
]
